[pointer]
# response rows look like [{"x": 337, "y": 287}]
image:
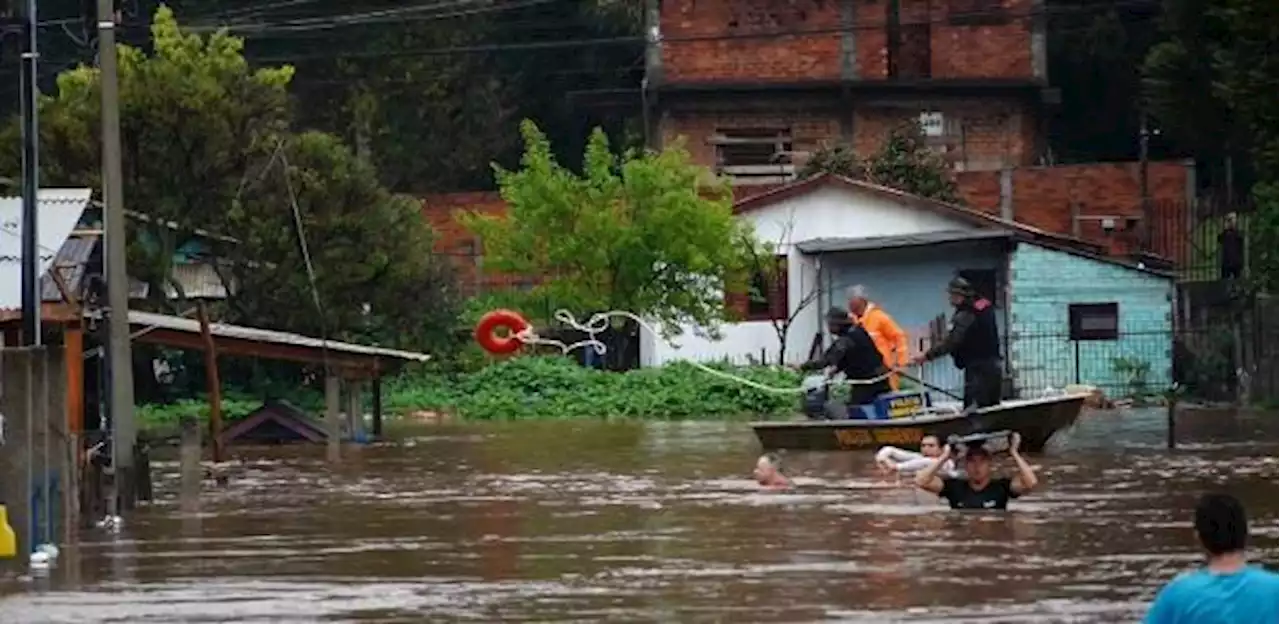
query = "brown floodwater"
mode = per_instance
[{"x": 656, "y": 522}]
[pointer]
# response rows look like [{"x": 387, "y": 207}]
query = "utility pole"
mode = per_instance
[
  {"x": 120, "y": 358},
  {"x": 30, "y": 183},
  {"x": 1144, "y": 141}
]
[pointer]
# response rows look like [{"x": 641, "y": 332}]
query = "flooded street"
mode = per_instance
[{"x": 657, "y": 522}]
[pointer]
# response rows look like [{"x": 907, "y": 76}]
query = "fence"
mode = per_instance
[
  {"x": 1188, "y": 235},
  {"x": 1141, "y": 361}
]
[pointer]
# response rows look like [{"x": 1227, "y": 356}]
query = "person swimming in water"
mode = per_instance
[
  {"x": 768, "y": 472},
  {"x": 893, "y": 460}
]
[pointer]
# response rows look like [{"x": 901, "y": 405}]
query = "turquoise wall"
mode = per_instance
[{"x": 1044, "y": 282}]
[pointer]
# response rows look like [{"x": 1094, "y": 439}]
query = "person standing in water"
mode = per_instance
[
  {"x": 892, "y": 459},
  {"x": 1227, "y": 590},
  {"x": 974, "y": 345},
  {"x": 977, "y": 489},
  {"x": 768, "y": 472},
  {"x": 889, "y": 339}
]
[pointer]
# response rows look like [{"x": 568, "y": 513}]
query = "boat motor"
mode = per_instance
[{"x": 816, "y": 394}]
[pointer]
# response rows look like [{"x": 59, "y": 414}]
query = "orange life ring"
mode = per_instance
[{"x": 487, "y": 331}]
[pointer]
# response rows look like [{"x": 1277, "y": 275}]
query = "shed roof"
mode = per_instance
[
  {"x": 58, "y": 211},
  {"x": 956, "y": 211},
  {"x": 988, "y": 222},
  {"x": 184, "y": 333},
  {"x": 836, "y": 245}
]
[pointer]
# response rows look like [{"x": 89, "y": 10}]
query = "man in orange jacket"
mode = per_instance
[{"x": 890, "y": 340}]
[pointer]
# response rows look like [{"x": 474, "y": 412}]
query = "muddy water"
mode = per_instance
[{"x": 631, "y": 522}]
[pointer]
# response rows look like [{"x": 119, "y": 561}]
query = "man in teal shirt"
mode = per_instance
[{"x": 1227, "y": 589}]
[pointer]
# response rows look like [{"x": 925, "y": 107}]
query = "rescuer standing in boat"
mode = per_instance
[
  {"x": 973, "y": 343},
  {"x": 854, "y": 354},
  {"x": 889, "y": 338}
]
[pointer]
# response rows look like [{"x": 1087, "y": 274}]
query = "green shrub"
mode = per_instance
[
  {"x": 551, "y": 387},
  {"x": 169, "y": 415}
]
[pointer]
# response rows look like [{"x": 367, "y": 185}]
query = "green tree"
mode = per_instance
[
  {"x": 1248, "y": 72},
  {"x": 645, "y": 232},
  {"x": 207, "y": 144},
  {"x": 903, "y": 162},
  {"x": 1182, "y": 79},
  {"x": 1095, "y": 55}
]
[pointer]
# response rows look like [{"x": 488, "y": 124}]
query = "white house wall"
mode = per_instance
[{"x": 829, "y": 212}]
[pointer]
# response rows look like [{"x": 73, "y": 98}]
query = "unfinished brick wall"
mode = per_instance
[
  {"x": 808, "y": 130},
  {"x": 740, "y": 40},
  {"x": 461, "y": 246},
  {"x": 732, "y": 40},
  {"x": 1043, "y": 198},
  {"x": 979, "y": 134}
]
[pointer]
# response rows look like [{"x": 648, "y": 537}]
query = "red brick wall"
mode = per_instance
[
  {"x": 460, "y": 245},
  {"x": 1043, "y": 196},
  {"x": 736, "y": 40},
  {"x": 981, "y": 51},
  {"x": 718, "y": 44},
  {"x": 983, "y": 134},
  {"x": 808, "y": 130}
]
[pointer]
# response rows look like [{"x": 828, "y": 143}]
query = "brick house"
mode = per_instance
[{"x": 754, "y": 86}]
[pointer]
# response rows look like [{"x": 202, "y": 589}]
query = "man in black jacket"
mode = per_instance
[
  {"x": 974, "y": 345},
  {"x": 854, "y": 354}
]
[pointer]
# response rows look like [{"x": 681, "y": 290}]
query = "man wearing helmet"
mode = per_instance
[{"x": 973, "y": 343}]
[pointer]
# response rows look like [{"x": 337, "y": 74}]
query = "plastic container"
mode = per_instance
[{"x": 8, "y": 539}]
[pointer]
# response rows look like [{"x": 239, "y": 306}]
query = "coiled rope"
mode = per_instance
[{"x": 599, "y": 322}]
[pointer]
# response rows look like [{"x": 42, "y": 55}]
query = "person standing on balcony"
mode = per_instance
[
  {"x": 889, "y": 339},
  {"x": 1231, "y": 248},
  {"x": 973, "y": 343}
]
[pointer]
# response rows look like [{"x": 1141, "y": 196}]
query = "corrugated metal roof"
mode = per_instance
[
  {"x": 192, "y": 326},
  {"x": 58, "y": 212},
  {"x": 833, "y": 245},
  {"x": 74, "y": 256},
  {"x": 199, "y": 280}
]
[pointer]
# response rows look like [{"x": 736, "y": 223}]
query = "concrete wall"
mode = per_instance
[
  {"x": 1045, "y": 282},
  {"x": 29, "y": 446}
]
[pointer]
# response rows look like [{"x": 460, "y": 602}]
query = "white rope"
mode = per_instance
[{"x": 597, "y": 323}]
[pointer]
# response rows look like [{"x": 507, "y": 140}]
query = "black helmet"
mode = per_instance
[
  {"x": 960, "y": 286},
  {"x": 839, "y": 316}
]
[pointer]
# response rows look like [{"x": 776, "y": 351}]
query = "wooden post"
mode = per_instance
[
  {"x": 73, "y": 351},
  {"x": 375, "y": 387},
  {"x": 189, "y": 465},
  {"x": 332, "y": 419},
  {"x": 355, "y": 416},
  {"x": 212, "y": 384}
]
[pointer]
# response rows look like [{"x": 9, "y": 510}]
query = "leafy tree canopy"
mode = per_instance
[
  {"x": 207, "y": 143},
  {"x": 645, "y": 232},
  {"x": 903, "y": 162}
]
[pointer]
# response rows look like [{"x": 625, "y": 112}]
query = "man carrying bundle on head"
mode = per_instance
[{"x": 854, "y": 354}]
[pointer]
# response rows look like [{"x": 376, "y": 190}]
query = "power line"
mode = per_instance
[
  {"x": 445, "y": 9},
  {"x": 625, "y": 40}
]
